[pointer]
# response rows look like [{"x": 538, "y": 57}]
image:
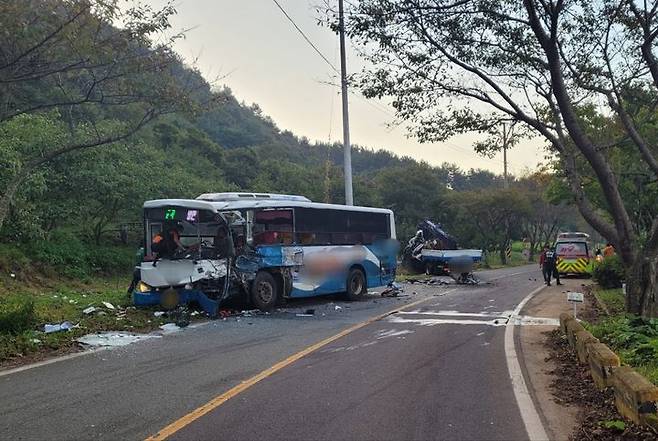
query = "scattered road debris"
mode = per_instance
[
  {"x": 112, "y": 338},
  {"x": 108, "y": 305},
  {"x": 436, "y": 280},
  {"x": 170, "y": 327},
  {"x": 89, "y": 310},
  {"x": 392, "y": 290},
  {"x": 64, "y": 326},
  {"x": 158, "y": 313}
]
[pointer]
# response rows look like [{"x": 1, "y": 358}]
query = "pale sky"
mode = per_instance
[{"x": 255, "y": 51}]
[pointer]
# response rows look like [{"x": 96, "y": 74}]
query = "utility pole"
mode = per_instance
[
  {"x": 347, "y": 148},
  {"x": 505, "y": 176}
]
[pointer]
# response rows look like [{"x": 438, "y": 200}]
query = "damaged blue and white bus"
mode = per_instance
[{"x": 263, "y": 247}]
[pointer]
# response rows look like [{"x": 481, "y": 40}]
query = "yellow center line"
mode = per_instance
[{"x": 221, "y": 399}]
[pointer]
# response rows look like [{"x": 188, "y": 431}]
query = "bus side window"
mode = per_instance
[
  {"x": 319, "y": 226},
  {"x": 273, "y": 227}
]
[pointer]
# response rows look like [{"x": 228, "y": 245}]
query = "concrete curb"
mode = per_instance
[
  {"x": 584, "y": 340},
  {"x": 564, "y": 318},
  {"x": 636, "y": 398},
  {"x": 573, "y": 326},
  {"x": 601, "y": 363}
]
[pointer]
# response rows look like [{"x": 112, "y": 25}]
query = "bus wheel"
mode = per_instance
[
  {"x": 264, "y": 291},
  {"x": 356, "y": 284}
]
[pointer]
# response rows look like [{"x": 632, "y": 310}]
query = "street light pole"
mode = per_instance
[
  {"x": 505, "y": 175},
  {"x": 347, "y": 149}
]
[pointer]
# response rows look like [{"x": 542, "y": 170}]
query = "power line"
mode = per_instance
[
  {"x": 305, "y": 37},
  {"x": 326, "y": 60},
  {"x": 364, "y": 99}
]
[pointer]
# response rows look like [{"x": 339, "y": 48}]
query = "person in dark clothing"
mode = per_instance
[
  {"x": 556, "y": 273},
  {"x": 543, "y": 265},
  {"x": 166, "y": 243},
  {"x": 548, "y": 263},
  {"x": 223, "y": 243}
]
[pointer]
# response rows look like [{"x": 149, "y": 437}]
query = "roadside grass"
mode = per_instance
[
  {"x": 633, "y": 338},
  {"x": 53, "y": 282},
  {"x": 66, "y": 304},
  {"x": 613, "y": 299}
]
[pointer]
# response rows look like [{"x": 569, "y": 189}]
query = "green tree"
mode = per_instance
[
  {"x": 93, "y": 63},
  {"x": 490, "y": 219},
  {"x": 413, "y": 193},
  {"x": 461, "y": 66},
  {"x": 544, "y": 218}
]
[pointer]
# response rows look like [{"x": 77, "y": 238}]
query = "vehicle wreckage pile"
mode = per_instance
[{"x": 434, "y": 252}]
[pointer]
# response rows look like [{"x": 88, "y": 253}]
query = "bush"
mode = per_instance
[
  {"x": 16, "y": 316},
  {"x": 77, "y": 259},
  {"x": 61, "y": 250},
  {"x": 113, "y": 260},
  {"x": 634, "y": 338},
  {"x": 12, "y": 259},
  {"x": 610, "y": 273}
]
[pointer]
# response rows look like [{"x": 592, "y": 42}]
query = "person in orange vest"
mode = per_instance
[
  {"x": 598, "y": 255},
  {"x": 609, "y": 250}
]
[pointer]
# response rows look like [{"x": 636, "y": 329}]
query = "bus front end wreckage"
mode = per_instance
[{"x": 261, "y": 248}]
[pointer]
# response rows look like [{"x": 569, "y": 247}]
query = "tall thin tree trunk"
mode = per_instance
[
  {"x": 642, "y": 286},
  {"x": 503, "y": 256}
]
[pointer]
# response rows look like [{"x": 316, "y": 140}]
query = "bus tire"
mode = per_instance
[
  {"x": 356, "y": 284},
  {"x": 264, "y": 291}
]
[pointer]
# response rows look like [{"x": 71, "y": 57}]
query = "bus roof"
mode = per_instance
[
  {"x": 242, "y": 196},
  {"x": 188, "y": 203},
  {"x": 245, "y": 204}
]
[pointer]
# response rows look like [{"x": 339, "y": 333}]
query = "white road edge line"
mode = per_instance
[
  {"x": 84, "y": 352},
  {"x": 529, "y": 414},
  {"x": 53, "y": 360}
]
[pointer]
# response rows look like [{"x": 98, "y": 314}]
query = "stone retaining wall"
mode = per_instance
[{"x": 636, "y": 398}]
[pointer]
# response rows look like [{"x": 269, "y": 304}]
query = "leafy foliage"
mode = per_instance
[
  {"x": 16, "y": 315},
  {"x": 635, "y": 339},
  {"x": 610, "y": 273},
  {"x": 581, "y": 75},
  {"x": 490, "y": 219},
  {"x": 617, "y": 425},
  {"x": 76, "y": 259},
  {"x": 75, "y": 202}
]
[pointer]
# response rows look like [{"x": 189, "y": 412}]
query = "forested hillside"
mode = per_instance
[{"x": 91, "y": 127}]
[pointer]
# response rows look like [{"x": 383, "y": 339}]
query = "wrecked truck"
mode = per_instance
[
  {"x": 262, "y": 248},
  {"x": 434, "y": 251}
]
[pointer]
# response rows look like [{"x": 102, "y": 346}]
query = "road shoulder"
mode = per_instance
[{"x": 560, "y": 420}]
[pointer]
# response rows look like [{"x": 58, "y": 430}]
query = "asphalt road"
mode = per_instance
[{"x": 429, "y": 372}]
